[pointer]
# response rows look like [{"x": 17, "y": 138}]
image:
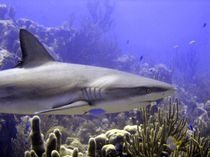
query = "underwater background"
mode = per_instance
[{"x": 163, "y": 40}]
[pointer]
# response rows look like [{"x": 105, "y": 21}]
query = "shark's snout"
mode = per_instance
[
  {"x": 159, "y": 90},
  {"x": 140, "y": 89}
]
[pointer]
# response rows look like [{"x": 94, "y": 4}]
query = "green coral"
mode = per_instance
[
  {"x": 109, "y": 151},
  {"x": 55, "y": 154},
  {"x": 58, "y": 137},
  {"x": 160, "y": 131},
  {"x": 198, "y": 146},
  {"x": 75, "y": 152},
  {"x": 91, "y": 148},
  {"x": 37, "y": 142},
  {"x": 27, "y": 154},
  {"x": 52, "y": 146}
]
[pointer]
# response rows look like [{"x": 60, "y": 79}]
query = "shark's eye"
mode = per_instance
[{"x": 148, "y": 91}]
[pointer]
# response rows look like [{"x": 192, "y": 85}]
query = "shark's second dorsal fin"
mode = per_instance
[{"x": 33, "y": 52}]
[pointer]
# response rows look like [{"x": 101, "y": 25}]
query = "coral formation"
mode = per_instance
[
  {"x": 166, "y": 134},
  {"x": 161, "y": 133},
  {"x": 91, "y": 148},
  {"x": 86, "y": 45},
  {"x": 37, "y": 142},
  {"x": 51, "y": 147},
  {"x": 153, "y": 133},
  {"x": 6, "y": 12},
  {"x": 108, "y": 150},
  {"x": 7, "y": 59},
  {"x": 7, "y": 132}
]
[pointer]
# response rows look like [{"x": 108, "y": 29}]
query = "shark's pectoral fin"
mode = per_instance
[
  {"x": 33, "y": 52},
  {"x": 64, "y": 107}
]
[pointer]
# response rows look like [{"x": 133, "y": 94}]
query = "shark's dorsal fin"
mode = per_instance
[{"x": 33, "y": 52}]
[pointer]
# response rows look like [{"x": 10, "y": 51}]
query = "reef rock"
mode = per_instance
[
  {"x": 7, "y": 59},
  {"x": 6, "y": 12}
]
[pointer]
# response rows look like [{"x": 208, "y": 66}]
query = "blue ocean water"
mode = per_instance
[{"x": 153, "y": 28}]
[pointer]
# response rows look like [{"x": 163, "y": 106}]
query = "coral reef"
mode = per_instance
[
  {"x": 36, "y": 137},
  {"x": 48, "y": 148},
  {"x": 86, "y": 44},
  {"x": 165, "y": 133},
  {"x": 7, "y": 59},
  {"x": 6, "y": 12},
  {"x": 153, "y": 133},
  {"x": 91, "y": 148},
  {"x": 7, "y": 132},
  {"x": 161, "y": 132},
  {"x": 159, "y": 72}
]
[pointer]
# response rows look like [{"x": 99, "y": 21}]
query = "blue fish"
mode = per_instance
[
  {"x": 141, "y": 58},
  {"x": 27, "y": 127},
  {"x": 97, "y": 112},
  {"x": 191, "y": 128},
  {"x": 204, "y": 25}
]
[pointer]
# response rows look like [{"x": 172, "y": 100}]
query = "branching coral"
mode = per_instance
[
  {"x": 198, "y": 146},
  {"x": 52, "y": 146},
  {"x": 161, "y": 133},
  {"x": 164, "y": 134}
]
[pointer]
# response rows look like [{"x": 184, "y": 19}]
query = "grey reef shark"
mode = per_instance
[{"x": 41, "y": 85}]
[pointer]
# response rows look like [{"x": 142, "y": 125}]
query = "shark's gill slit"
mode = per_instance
[
  {"x": 84, "y": 93},
  {"x": 90, "y": 93},
  {"x": 95, "y": 93},
  {"x": 98, "y": 93}
]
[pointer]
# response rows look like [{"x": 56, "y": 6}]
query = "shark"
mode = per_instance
[{"x": 40, "y": 85}]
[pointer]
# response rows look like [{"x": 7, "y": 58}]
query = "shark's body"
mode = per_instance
[{"x": 41, "y": 85}]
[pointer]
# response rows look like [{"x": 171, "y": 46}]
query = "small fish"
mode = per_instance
[
  {"x": 176, "y": 46},
  {"x": 141, "y": 57},
  {"x": 191, "y": 128},
  {"x": 204, "y": 24},
  {"x": 172, "y": 143},
  {"x": 97, "y": 112},
  {"x": 27, "y": 127},
  {"x": 127, "y": 41},
  {"x": 151, "y": 69},
  {"x": 192, "y": 42}
]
